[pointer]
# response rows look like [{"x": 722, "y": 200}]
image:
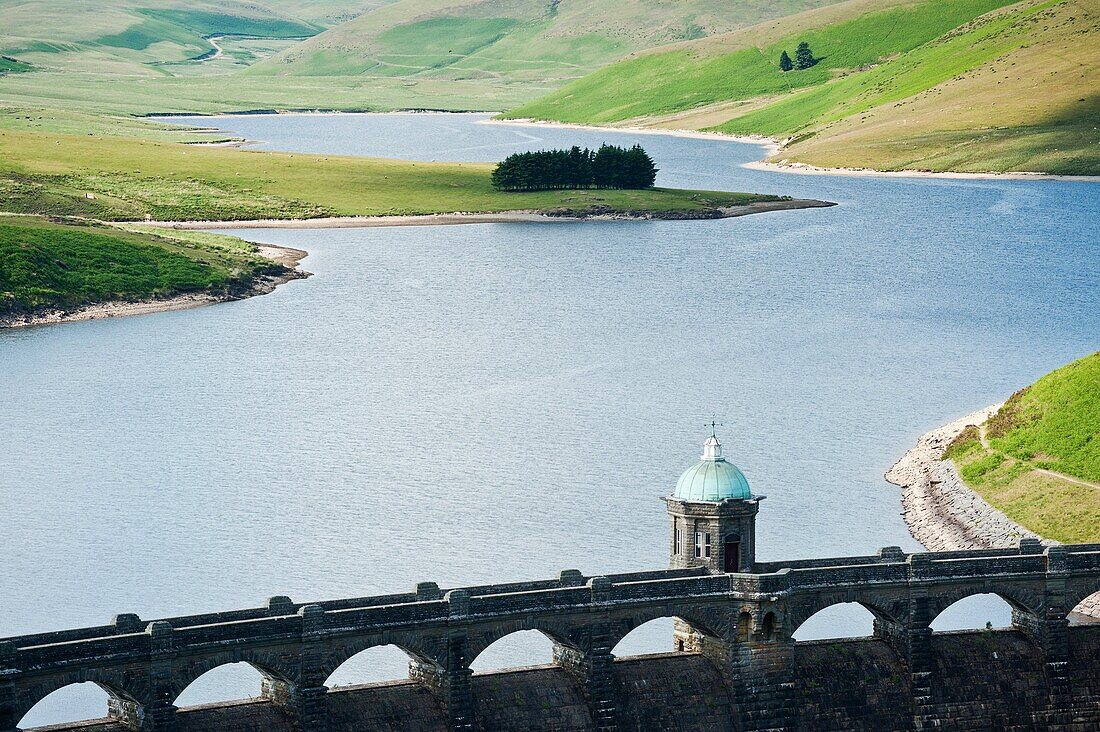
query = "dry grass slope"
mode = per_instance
[{"x": 917, "y": 84}]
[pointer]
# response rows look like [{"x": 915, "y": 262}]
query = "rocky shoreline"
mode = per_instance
[
  {"x": 943, "y": 513},
  {"x": 285, "y": 256}
]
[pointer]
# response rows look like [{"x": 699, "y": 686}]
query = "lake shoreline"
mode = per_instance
[
  {"x": 940, "y": 510},
  {"x": 288, "y": 257},
  {"x": 945, "y": 514},
  {"x": 773, "y": 145},
  {"x": 503, "y": 217}
]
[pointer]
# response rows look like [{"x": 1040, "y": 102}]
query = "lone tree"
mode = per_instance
[
  {"x": 803, "y": 56},
  {"x": 785, "y": 63}
]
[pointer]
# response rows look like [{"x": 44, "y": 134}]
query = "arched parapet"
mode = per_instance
[
  {"x": 575, "y": 636},
  {"x": 126, "y": 687},
  {"x": 717, "y": 622},
  {"x": 1079, "y": 590},
  {"x": 885, "y": 608},
  {"x": 279, "y": 667},
  {"x": 1026, "y": 600},
  {"x": 423, "y": 648}
]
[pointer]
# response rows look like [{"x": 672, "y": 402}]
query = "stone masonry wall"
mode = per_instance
[
  {"x": 985, "y": 680},
  {"x": 673, "y": 692},
  {"x": 850, "y": 685}
]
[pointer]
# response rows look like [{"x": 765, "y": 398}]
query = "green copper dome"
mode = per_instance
[{"x": 712, "y": 478}]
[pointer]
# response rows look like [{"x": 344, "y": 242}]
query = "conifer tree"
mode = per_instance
[
  {"x": 803, "y": 56},
  {"x": 608, "y": 167},
  {"x": 785, "y": 63}
]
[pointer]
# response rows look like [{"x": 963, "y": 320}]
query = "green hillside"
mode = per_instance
[
  {"x": 141, "y": 36},
  {"x": 46, "y": 265},
  {"x": 1028, "y": 458},
  {"x": 502, "y": 44},
  {"x": 188, "y": 56},
  {"x": 1021, "y": 79}
]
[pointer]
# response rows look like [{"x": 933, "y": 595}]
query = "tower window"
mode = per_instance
[
  {"x": 677, "y": 541},
  {"x": 706, "y": 545},
  {"x": 698, "y": 544}
]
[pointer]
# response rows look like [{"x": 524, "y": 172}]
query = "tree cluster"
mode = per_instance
[
  {"x": 803, "y": 58},
  {"x": 608, "y": 167}
]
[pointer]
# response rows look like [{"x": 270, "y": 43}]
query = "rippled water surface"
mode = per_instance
[{"x": 488, "y": 402}]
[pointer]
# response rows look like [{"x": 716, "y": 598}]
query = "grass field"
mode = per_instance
[
  {"x": 982, "y": 85},
  {"x": 121, "y": 179},
  {"x": 1052, "y": 425},
  {"x": 46, "y": 265}
]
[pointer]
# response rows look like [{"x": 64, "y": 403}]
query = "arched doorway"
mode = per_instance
[{"x": 731, "y": 552}]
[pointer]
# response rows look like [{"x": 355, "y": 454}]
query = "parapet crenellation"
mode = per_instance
[{"x": 734, "y": 631}]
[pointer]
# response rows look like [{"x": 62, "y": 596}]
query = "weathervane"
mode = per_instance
[{"x": 712, "y": 424}]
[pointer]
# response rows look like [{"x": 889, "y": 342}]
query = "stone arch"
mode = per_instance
[
  {"x": 521, "y": 649},
  {"x": 121, "y": 686},
  {"x": 1021, "y": 600},
  {"x": 672, "y": 640},
  {"x": 479, "y": 640},
  {"x": 368, "y": 662},
  {"x": 269, "y": 665},
  {"x": 1078, "y": 593},
  {"x": 428, "y": 649},
  {"x": 769, "y": 627},
  {"x": 876, "y": 616},
  {"x": 710, "y": 621},
  {"x": 884, "y": 609},
  {"x": 744, "y": 626}
]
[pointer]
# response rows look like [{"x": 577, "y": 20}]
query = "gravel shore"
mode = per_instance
[{"x": 943, "y": 513}]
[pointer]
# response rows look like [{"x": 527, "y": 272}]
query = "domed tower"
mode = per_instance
[{"x": 713, "y": 515}]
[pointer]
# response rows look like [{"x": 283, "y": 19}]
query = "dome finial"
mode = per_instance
[{"x": 712, "y": 447}]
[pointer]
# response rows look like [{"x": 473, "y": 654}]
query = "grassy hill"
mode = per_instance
[
  {"x": 502, "y": 43},
  {"x": 186, "y": 55},
  {"x": 984, "y": 85},
  {"x": 1026, "y": 458},
  {"x": 53, "y": 265},
  {"x": 156, "y": 37},
  {"x": 118, "y": 179}
]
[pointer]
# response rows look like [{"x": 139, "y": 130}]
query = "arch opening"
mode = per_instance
[
  {"x": 517, "y": 649},
  {"x": 1087, "y": 611},
  {"x": 840, "y": 620},
  {"x": 80, "y": 702},
  {"x": 661, "y": 635},
  {"x": 371, "y": 666},
  {"x": 980, "y": 611},
  {"x": 225, "y": 682},
  {"x": 731, "y": 552},
  {"x": 767, "y": 628},
  {"x": 744, "y": 627}
]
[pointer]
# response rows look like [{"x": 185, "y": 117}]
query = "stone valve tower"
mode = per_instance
[{"x": 713, "y": 515}]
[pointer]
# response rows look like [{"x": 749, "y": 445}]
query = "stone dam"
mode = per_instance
[{"x": 733, "y": 662}]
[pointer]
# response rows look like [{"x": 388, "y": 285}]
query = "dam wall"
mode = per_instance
[{"x": 985, "y": 680}]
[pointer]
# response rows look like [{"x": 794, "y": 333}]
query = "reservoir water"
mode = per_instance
[{"x": 492, "y": 402}]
